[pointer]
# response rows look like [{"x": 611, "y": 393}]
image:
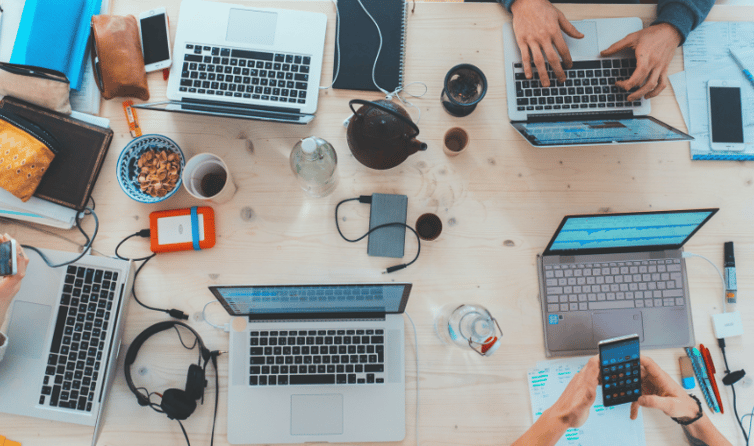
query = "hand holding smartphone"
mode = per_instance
[
  {"x": 8, "y": 263},
  {"x": 620, "y": 370},
  {"x": 155, "y": 39}
]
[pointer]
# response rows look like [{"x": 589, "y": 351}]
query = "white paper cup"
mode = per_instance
[{"x": 202, "y": 175}]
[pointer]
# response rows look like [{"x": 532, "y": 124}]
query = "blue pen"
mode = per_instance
[
  {"x": 701, "y": 375},
  {"x": 740, "y": 63}
]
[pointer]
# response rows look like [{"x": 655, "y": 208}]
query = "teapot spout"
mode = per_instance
[{"x": 415, "y": 146}]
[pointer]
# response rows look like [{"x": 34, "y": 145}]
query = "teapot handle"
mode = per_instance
[{"x": 409, "y": 122}]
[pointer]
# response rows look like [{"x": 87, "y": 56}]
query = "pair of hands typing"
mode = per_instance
[{"x": 537, "y": 25}]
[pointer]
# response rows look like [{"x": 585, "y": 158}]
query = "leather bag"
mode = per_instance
[{"x": 117, "y": 58}]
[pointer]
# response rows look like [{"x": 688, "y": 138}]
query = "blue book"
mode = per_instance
[{"x": 54, "y": 34}]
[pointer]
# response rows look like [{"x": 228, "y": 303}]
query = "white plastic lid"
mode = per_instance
[{"x": 309, "y": 145}]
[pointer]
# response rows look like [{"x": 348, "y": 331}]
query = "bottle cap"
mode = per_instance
[
  {"x": 490, "y": 345},
  {"x": 309, "y": 145}
]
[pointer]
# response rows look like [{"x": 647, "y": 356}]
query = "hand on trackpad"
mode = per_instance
[{"x": 317, "y": 414}]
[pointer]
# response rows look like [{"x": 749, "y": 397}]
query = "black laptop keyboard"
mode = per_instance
[
  {"x": 590, "y": 84},
  {"x": 243, "y": 74},
  {"x": 78, "y": 343},
  {"x": 301, "y": 357}
]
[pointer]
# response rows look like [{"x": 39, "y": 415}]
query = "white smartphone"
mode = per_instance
[
  {"x": 725, "y": 115},
  {"x": 155, "y": 39},
  {"x": 8, "y": 266}
]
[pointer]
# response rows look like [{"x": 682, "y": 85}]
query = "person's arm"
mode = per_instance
[
  {"x": 684, "y": 15},
  {"x": 660, "y": 391},
  {"x": 9, "y": 286},
  {"x": 570, "y": 410},
  {"x": 537, "y": 25}
]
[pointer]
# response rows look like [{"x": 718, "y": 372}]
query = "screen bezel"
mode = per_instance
[
  {"x": 627, "y": 249},
  {"x": 160, "y": 64},
  {"x": 215, "y": 290}
]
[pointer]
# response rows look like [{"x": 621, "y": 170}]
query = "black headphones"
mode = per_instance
[{"x": 177, "y": 404}]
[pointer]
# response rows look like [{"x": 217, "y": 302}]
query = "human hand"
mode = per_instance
[
  {"x": 537, "y": 26},
  {"x": 9, "y": 285},
  {"x": 660, "y": 391},
  {"x": 573, "y": 405},
  {"x": 654, "y": 48}
]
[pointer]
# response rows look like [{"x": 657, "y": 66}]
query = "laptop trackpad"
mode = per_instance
[
  {"x": 257, "y": 27},
  {"x": 317, "y": 414},
  {"x": 28, "y": 329},
  {"x": 586, "y": 48},
  {"x": 614, "y": 324}
]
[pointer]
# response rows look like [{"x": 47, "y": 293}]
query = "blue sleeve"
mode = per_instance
[
  {"x": 683, "y": 15},
  {"x": 506, "y": 4}
]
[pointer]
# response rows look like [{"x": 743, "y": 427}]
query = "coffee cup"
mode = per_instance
[
  {"x": 455, "y": 142},
  {"x": 428, "y": 227},
  {"x": 207, "y": 177}
]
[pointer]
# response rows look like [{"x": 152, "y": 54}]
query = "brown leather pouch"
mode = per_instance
[
  {"x": 26, "y": 151},
  {"x": 117, "y": 58}
]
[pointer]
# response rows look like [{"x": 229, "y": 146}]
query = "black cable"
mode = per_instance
[
  {"x": 367, "y": 199},
  {"x": 87, "y": 245},
  {"x": 184, "y": 344},
  {"x": 184, "y": 432},
  {"x": 142, "y": 233},
  {"x": 721, "y": 343},
  {"x": 213, "y": 357}
]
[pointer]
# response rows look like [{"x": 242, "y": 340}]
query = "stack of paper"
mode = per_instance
[
  {"x": 548, "y": 380},
  {"x": 706, "y": 57}
]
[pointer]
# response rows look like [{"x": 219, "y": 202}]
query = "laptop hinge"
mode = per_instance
[
  {"x": 604, "y": 115},
  {"x": 234, "y": 105},
  {"x": 318, "y": 317}
]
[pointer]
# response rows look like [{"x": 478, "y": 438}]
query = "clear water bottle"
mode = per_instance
[
  {"x": 313, "y": 161},
  {"x": 469, "y": 326}
]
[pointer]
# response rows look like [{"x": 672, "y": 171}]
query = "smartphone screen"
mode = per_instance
[
  {"x": 621, "y": 377},
  {"x": 7, "y": 258},
  {"x": 725, "y": 115},
  {"x": 154, "y": 38}
]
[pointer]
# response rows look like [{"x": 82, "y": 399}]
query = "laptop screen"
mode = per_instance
[
  {"x": 581, "y": 234},
  {"x": 306, "y": 300},
  {"x": 598, "y": 131}
]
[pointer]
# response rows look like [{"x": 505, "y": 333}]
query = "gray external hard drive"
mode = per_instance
[{"x": 389, "y": 241}]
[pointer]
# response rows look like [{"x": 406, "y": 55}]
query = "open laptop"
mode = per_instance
[
  {"x": 243, "y": 62},
  {"x": 608, "y": 275},
  {"x": 64, "y": 336},
  {"x": 316, "y": 363},
  {"x": 588, "y": 109}
]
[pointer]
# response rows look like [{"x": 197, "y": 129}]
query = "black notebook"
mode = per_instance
[{"x": 359, "y": 42}]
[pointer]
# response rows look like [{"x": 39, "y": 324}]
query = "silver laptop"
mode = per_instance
[
  {"x": 242, "y": 62},
  {"x": 588, "y": 109},
  {"x": 64, "y": 336},
  {"x": 608, "y": 275},
  {"x": 316, "y": 363}
]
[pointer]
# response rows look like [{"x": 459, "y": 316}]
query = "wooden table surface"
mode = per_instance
[{"x": 499, "y": 202}]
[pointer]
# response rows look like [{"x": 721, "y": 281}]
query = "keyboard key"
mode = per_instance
[{"x": 312, "y": 379}]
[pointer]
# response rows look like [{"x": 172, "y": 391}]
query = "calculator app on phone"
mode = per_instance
[{"x": 619, "y": 368}]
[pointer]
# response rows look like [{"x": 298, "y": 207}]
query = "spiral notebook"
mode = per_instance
[{"x": 359, "y": 43}]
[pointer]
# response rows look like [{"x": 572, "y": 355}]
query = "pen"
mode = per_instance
[
  {"x": 747, "y": 73},
  {"x": 731, "y": 285},
  {"x": 711, "y": 373},
  {"x": 695, "y": 357}
]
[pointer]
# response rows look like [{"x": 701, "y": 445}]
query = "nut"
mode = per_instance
[{"x": 158, "y": 172}]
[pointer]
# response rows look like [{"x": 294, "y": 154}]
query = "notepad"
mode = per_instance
[
  {"x": 359, "y": 42},
  {"x": 548, "y": 380}
]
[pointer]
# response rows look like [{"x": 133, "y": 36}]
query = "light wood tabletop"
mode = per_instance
[{"x": 499, "y": 202}]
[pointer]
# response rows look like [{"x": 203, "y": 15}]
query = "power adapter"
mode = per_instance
[{"x": 727, "y": 325}]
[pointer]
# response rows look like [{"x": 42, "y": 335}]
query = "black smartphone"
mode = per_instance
[
  {"x": 619, "y": 368},
  {"x": 8, "y": 265}
]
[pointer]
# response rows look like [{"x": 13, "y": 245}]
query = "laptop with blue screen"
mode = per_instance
[
  {"x": 316, "y": 363},
  {"x": 609, "y": 275}
]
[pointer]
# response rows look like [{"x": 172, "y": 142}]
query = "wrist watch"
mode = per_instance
[{"x": 686, "y": 421}]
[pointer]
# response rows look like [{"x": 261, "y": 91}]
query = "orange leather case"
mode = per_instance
[{"x": 209, "y": 230}]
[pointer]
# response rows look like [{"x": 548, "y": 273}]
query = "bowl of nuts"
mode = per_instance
[{"x": 149, "y": 168}]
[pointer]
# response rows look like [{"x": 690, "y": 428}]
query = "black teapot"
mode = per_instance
[{"x": 381, "y": 134}]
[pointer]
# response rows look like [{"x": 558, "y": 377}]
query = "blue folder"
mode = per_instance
[{"x": 54, "y": 34}]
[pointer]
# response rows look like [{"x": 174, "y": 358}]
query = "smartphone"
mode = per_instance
[
  {"x": 619, "y": 368},
  {"x": 8, "y": 265},
  {"x": 155, "y": 39},
  {"x": 725, "y": 115}
]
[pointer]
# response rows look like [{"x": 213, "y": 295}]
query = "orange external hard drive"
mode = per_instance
[{"x": 182, "y": 229}]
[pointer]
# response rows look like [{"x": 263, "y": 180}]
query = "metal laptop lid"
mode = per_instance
[
  {"x": 225, "y": 110},
  {"x": 581, "y": 130},
  {"x": 264, "y": 302},
  {"x": 627, "y": 232}
]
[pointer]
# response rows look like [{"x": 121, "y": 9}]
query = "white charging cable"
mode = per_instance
[
  {"x": 416, "y": 350},
  {"x": 225, "y": 328},
  {"x": 686, "y": 255}
]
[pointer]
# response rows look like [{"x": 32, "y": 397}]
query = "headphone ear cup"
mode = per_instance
[
  {"x": 195, "y": 382},
  {"x": 177, "y": 405}
]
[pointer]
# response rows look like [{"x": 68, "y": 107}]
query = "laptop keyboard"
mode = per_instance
[
  {"x": 78, "y": 342},
  {"x": 589, "y": 84},
  {"x": 242, "y": 74},
  {"x": 301, "y": 357},
  {"x": 605, "y": 286}
]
